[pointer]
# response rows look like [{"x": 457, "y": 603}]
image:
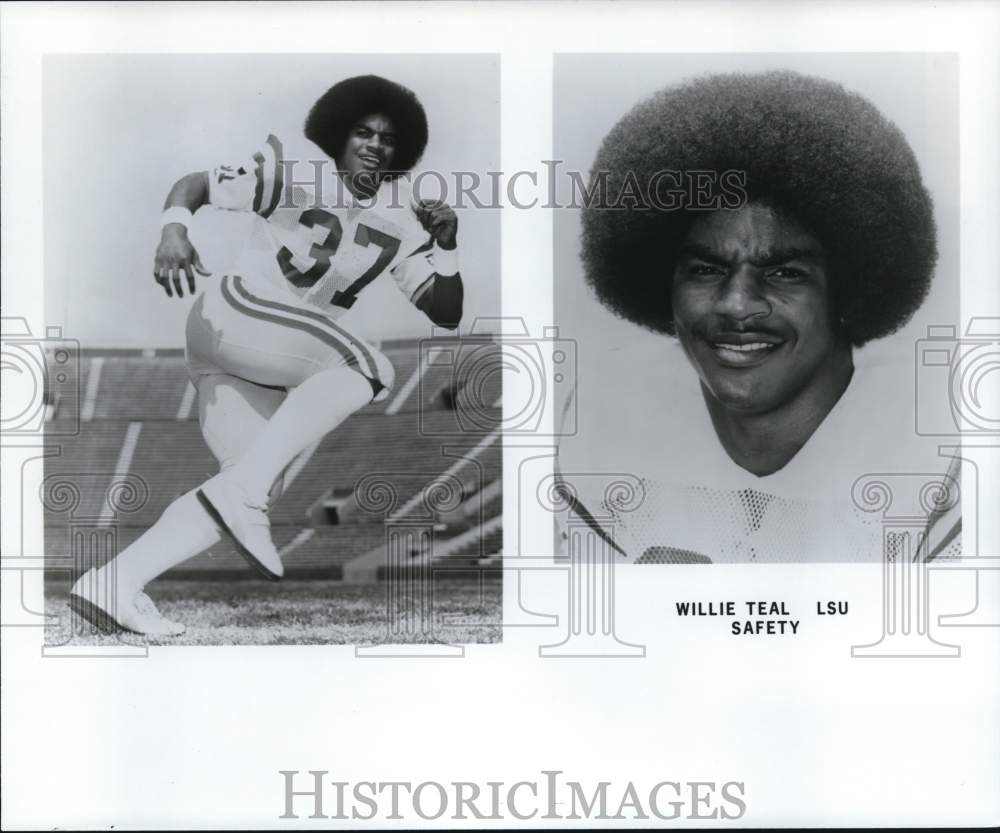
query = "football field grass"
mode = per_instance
[{"x": 291, "y": 612}]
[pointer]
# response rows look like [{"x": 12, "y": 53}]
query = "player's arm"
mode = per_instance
[
  {"x": 441, "y": 300},
  {"x": 176, "y": 255},
  {"x": 440, "y": 296},
  {"x": 256, "y": 184}
]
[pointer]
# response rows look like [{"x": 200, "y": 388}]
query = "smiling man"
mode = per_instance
[
  {"x": 273, "y": 368},
  {"x": 748, "y": 440},
  {"x": 752, "y": 312}
]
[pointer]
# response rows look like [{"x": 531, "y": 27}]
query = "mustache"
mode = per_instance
[{"x": 720, "y": 326}]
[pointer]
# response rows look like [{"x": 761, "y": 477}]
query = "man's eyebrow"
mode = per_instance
[
  {"x": 772, "y": 257},
  {"x": 362, "y": 126},
  {"x": 775, "y": 257},
  {"x": 703, "y": 253}
]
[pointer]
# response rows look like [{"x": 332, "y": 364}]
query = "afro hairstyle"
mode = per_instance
[
  {"x": 341, "y": 107},
  {"x": 809, "y": 149}
]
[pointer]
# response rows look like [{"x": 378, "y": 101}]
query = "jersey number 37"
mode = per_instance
[{"x": 323, "y": 251}]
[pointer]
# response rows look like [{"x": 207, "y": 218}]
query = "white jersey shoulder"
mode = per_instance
[
  {"x": 643, "y": 418},
  {"x": 253, "y": 183}
]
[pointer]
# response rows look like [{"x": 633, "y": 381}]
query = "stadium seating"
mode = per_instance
[{"x": 138, "y": 423}]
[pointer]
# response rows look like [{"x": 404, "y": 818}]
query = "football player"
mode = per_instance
[
  {"x": 751, "y": 424},
  {"x": 273, "y": 368}
]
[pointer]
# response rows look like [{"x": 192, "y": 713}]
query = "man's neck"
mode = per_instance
[
  {"x": 357, "y": 193},
  {"x": 763, "y": 443}
]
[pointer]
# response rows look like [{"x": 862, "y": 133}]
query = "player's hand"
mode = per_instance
[
  {"x": 175, "y": 256},
  {"x": 439, "y": 220}
]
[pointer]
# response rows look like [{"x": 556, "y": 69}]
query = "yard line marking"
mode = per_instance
[
  {"x": 467, "y": 537},
  {"x": 405, "y": 391},
  {"x": 484, "y": 495},
  {"x": 484, "y": 443},
  {"x": 121, "y": 469},
  {"x": 187, "y": 402},
  {"x": 93, "y": 383},
  {"x": 296, "y": 542}
]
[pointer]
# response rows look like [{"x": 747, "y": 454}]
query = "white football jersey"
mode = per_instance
[
  {"x": 322, "y": 245},
  {"x": 642, "y": 420}
]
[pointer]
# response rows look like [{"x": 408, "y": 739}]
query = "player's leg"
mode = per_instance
[
  {"x": 231, "y": 412},
  {"x": 311, "y": 410},
  {"x": 331, "y": 374}
]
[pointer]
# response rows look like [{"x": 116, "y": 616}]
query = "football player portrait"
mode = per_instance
[
  {"x": 786, "y": 232},
  {"x": 273, "y": 368}
]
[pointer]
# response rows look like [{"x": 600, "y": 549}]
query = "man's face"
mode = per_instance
[
  {"x": 369, "y": 151},
  {"x": 751, "y": 308}
]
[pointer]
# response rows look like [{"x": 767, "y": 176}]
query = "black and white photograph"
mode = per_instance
[
  {"x": 764, "y": 245},
  {"x": 499, "y": 415},
  {"x": 256, "y": 433}
]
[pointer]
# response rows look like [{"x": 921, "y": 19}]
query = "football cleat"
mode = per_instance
[
  {"x": 244, "y": 520},
  {"x": 147, "y": 607},
  {"x": 91, "y": 599}
]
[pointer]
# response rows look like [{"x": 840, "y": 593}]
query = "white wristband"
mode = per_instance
[
  {"x": 176, "y": 214},
  {"x": 445, "y": 261}
]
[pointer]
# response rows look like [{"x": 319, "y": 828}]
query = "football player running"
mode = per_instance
[{"x": 273, "y": 369}]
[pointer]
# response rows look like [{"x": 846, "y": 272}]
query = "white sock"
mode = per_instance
[
  {"x": 309, "y": 412},
  {"x": 183, "y": 531}
]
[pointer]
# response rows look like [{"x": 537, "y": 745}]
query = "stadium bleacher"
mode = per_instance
[{"x": 138, "y": 423}]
